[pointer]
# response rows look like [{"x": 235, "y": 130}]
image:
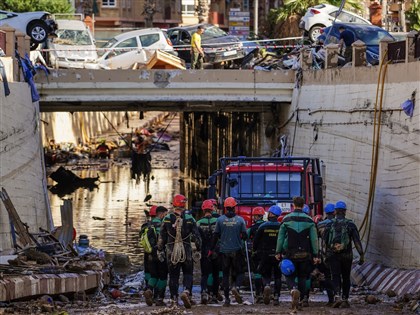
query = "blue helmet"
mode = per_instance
[
  {"x": 340, "y": 205},
  {"x": 276, "y": 210},
  {"x": 306, "y": 209},
  {"x": 287, "y": 268},
  {"x": 329, "y": 208}
]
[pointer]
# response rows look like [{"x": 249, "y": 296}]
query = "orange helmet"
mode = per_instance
[
  {"x": 230, "y": 202},
  {"x": 152, "y": 211},
  {"x": 258, "y": 211},
  {"x": 214, "y": 201},
  {"x": 179, "y": 201},
  {"x": 207, "y": 205}
]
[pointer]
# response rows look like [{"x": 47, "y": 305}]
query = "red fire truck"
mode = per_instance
[{"x": 258, "y": 181}]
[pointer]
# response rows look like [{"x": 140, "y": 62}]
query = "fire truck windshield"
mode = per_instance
[{"x": 264, "y": 185}]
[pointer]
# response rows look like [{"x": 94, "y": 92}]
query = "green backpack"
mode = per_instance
[
  {"x": 144, "y": 240},
  {"x": 338, "y": 236}
]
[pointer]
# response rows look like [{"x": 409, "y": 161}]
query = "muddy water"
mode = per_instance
[{"x": 120, "y": 201}]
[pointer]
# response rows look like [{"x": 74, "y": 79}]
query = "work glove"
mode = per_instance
[
  {"x": 361, "y": 260},
  {"x": 161, "y": 255}
]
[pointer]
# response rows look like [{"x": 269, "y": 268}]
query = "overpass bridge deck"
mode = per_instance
[{"x": 167, "y": 90}]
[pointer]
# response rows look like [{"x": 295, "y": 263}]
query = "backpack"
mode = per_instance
[
  {"x": 144, "y": 239},
  {"x": 299, "y": 244},
  {"x": 338, "y": 238}
]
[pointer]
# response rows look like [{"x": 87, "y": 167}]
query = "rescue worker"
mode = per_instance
[
  {"x": 346, "y": 40},
  {"x": 257, "y": 218},
  {"x": 102, "y": 150},
  {"x": 140, "y": 159},
  {"x": 215, "y": 212},
  {"x": 305, "y": 300},
  {"x": 339, "y": 235},
  {"x": 264, "y": 246},
  {"x": 231, "y": 230},
  {"x": 197, "y": 52},
  {"x": 324, "y": 267},
  {"x": 156, "y": 285},
  {"x": 209, "y": 264},
  {"x": 147, "y": 257},
  {"x": 298, "y": 241},
  {"x": 177, "y": 233}
]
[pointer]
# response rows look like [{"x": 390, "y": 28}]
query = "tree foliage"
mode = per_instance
[
  {"x": 413, "y": 15},
  {"x": 52, "y": 6},
  {"x": 299, "y": 7}
]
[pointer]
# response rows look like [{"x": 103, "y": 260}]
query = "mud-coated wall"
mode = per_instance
[
  {"x": 332, "y": 116},
  {"x": 21, "y": 166}
]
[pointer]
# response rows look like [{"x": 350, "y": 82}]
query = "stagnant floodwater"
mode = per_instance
[{"x": 120, "y": 202}]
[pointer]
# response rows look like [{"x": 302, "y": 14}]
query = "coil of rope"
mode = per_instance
[{"x": 178, "y": 252}]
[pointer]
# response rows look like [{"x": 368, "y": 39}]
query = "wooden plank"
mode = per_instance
[
  {"x": 24, "y": 236},
  {"x": 164, "y": 60}
]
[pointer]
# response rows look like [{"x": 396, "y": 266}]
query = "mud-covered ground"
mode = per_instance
[
  {"x": 134, "y": 305},
  {"x": 282, "y": 309}
]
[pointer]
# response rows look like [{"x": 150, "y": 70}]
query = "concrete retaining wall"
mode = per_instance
[
  {"x": 333, "y": 119},
  {"x": 382, "y": 279},
  {"x": 21, "y": 166}
]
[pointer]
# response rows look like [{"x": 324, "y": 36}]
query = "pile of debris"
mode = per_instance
[{"x": 45, "y": 252}]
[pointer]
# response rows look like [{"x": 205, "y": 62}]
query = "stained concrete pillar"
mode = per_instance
[
  {"x": 20, "y": 47},
  {"x": 383, "y": 47},
  {"x": 305, "y": 59},
  {"x": 10, "y": 40},
  {"x": 10, "y": 48},
  {"x": 331, "y": 60},
  {"x": 23, "y": 43},
  {"x": 410, "y": 47},
  {"x": 359, "y": 54}
]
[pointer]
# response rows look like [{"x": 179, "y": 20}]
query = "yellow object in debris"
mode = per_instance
[{"x": 164, "y": 60}]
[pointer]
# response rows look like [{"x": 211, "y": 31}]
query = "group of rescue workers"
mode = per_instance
[{"x": 284, "y": 243}]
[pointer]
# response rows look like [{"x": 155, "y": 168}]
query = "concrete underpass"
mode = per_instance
[{"x": 222, "y": 113}]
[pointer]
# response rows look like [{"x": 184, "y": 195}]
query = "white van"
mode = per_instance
[
  {"x": 124, "y": 50},
  {"x": 74, "y": 46}
]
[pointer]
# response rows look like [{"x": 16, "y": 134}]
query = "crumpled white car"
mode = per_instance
[
  {"x": 37, "y": 25},
  {"x": 74, "y": 46},
  {"x": 124, "y": 50},
  {"x": 323, "y": 15}
]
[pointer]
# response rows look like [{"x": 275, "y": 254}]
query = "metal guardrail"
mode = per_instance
[{"x": 276, "y": 43}]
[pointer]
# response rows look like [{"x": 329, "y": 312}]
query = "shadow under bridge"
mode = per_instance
[{"x": 163, "y": 90}]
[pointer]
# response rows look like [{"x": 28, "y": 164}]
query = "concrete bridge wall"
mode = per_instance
[
  {"x": 21, "y": 161},
  {"x": 332, "y": 117}
]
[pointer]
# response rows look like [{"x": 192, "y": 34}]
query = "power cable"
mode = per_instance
[{"x": 367, "y": 220}]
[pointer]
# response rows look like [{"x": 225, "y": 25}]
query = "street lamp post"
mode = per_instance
[{"x": 255, "y": 18}]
